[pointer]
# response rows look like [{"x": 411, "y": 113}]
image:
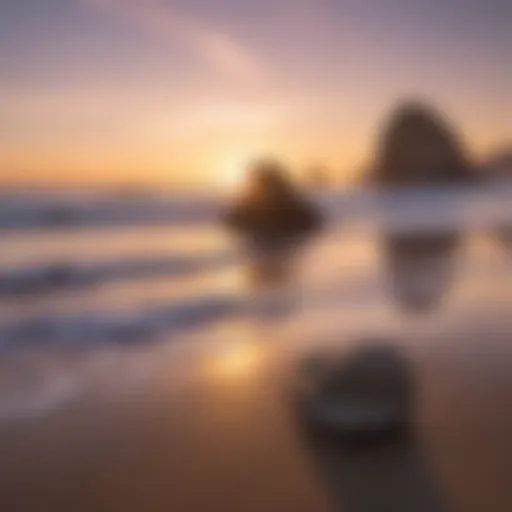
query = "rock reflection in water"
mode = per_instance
[
  {"x": 269, "y": 266},
  {"x": 420, "y": 268},
  {"x": 271, "y": 280}
]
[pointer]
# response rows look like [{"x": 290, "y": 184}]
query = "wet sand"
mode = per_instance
[
  {"x": 172, "y": 426},
  {"x": 215, "y": 433}
]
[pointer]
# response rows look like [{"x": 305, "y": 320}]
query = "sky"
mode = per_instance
[{"x": 186, "y": 91}]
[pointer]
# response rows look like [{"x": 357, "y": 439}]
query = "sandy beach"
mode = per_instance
[{"x": 205, "y": 423}]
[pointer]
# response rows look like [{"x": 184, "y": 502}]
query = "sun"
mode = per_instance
[{"x": 233, "y": 172}]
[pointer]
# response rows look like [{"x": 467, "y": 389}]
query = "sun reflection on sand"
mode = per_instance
[
  {"x": 236, "y": 359},
  {"x": 237, "y": 351}
]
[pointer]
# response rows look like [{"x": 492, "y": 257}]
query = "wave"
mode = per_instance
[
  {"x": 419, "y": 207},
  {"x": 66, "y": 214},
  {"x": 149, "y": 323},
  {"x": 65, "y": 275},
  {"x": 145, "y": 324}
]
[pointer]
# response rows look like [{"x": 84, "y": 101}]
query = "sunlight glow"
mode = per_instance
[
  {"x": 233, "y": 171},
  {"x": 235, "y": 360}
]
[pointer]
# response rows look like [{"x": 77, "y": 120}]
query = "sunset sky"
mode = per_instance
[{"x": 186, "y": 90}]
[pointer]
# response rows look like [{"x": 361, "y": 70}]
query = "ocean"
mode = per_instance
[
  {"x": 131, "y": 330},
  {"x": 98, "y": 273}
]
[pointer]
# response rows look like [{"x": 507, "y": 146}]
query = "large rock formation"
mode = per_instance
[
  {"x": 271, "y": 210},
  {"x": 365, "y": 393},
  {"x": 417, "y": 147}
]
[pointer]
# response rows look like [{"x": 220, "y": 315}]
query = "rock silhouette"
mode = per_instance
[
  {"x": 271, "y": 210},
  {"x": 365, "y": 394},
  {"x": 356, "y": 419},
  {"x": 417, "y": 147}
]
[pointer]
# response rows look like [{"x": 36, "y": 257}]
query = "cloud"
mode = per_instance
[{"x": 216, "y": 48}]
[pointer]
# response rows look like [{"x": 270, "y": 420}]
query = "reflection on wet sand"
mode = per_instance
[
  {"x": 232, "y": 361},
  {"x": 214, "y": 432},
  {"x": 420, "y": 268},
  {"x": 269, "y": 270},
  {"x": 272, "y": 283}
]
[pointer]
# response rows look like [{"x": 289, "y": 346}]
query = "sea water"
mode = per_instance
[{"x": 97, "y": 288}]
